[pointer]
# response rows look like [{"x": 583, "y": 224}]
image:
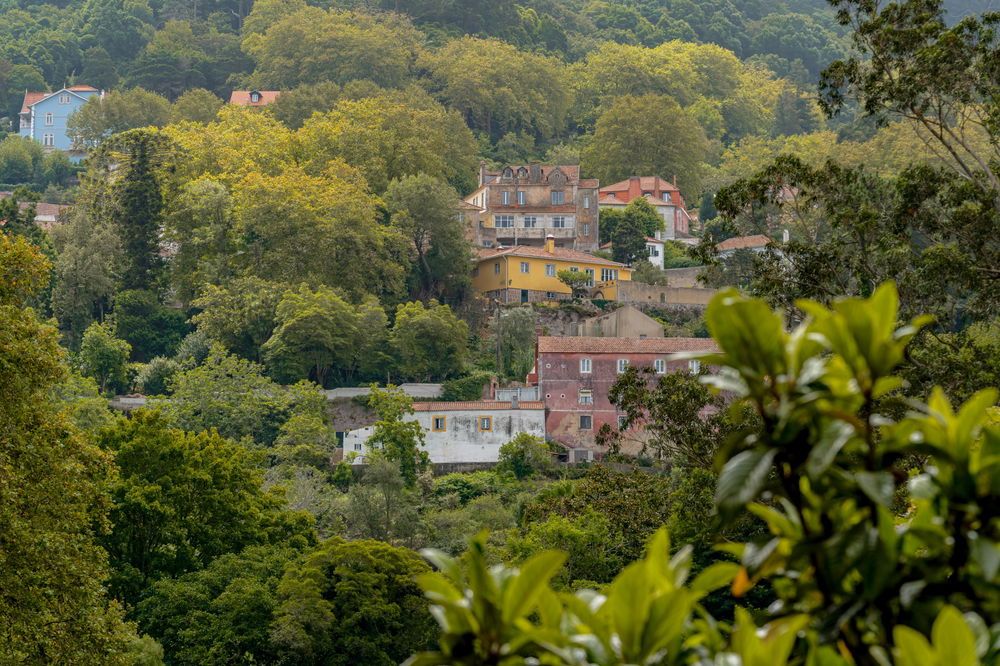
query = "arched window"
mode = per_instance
[
  {"x": 508, "y": 172},
  {"x": 522, "y": 173},
  {"x": 255, "y": 97}
]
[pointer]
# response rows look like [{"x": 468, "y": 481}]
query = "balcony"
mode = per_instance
[{"x": 535, "y": 233}]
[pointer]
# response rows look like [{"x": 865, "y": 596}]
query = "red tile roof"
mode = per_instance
[
  {"x": 558, "y": 253},
  {"x": 83, "y": 88},
  {"x": 30, "y": 98},
  {"x": 475, "y": 404},
  {"x": 740, "y": 242},
  {"x": 243, "y": 97},
  {"x": 588, "y": 345},
  {"x": 646, "y": 183}
]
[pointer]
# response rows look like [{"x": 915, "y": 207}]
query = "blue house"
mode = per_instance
[{"x": 44, "y": 116}]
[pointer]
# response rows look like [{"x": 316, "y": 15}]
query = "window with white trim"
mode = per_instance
[
  {"x": 440, "y": 424},
  {"x": 64, "y": 98},
  {"x": 559, "y": 221},
  {"x": 503, "y": 221},
  {"x": 485, "y": 423},
  {"x": 586, "y": 397},
  {"x": 584, "y": 366},
  {"x": 694, "y": 366},
  {"x": 520, "y": 198},
  {"x": 255, "y": 97},
  {"x": 586, "y": 202},
  {"x": 608, "y": 274},
  {"x": 558, "y": 198},
  {"x": 590, "y": 274},
  {"x": 586, "y": 228},
  {"x": 622, "y": 365},
  {"x": 525, "y": 267},
  {"x": 49, "y": 139},
  {"x": 530, "y": 221},
  {"x": 505, "y": 198},
  {"x": 50, "y": 119},
  {"x": 660, "y": 365},
  {"x": 550, "y": 270}
]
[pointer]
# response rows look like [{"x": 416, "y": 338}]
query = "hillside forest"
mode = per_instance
[{"x": 823, "y": 492}]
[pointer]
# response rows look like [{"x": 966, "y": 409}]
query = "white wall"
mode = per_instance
[{"x": 462, "y": 441}]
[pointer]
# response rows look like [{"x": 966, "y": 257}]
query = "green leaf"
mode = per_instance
[
  {"x": 834, "y": 436},
  {"x": 986, "y": 554},
  {"x": 953, "y": 639},
  {"x": 714, "y": 577},
  {"x": 878, "y": 486},
  {"x": 912, "y": 649},
  {"x": 521, "y": 594},
  {"x": 743, "y": 477}
]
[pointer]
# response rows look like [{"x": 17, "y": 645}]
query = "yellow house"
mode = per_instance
[{"x": 526, "y": 274}]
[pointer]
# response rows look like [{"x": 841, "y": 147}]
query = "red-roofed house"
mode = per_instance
[
  {"x": 663, "y": 195},
  {"x": 523, "y": 205},
  {"x": 253, "y": 97},
  {"x": 525, "y": 273},
  {"x": 755, "y": 243},
  {"x": 44, "y": 116},
  {"x": 575, "y": 374},
  {"x": 464, "y": 431}
]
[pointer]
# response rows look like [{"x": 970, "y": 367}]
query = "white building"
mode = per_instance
[{"x": 463, "y": 431}]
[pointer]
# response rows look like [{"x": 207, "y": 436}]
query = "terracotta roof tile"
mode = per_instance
[
  {"x": 475, "y": 404},
  {"x": 649, "y": 183},
  {"x": 557, "y": 253},
  {"x": 740, "y": 242},
  {"x": 30, "y": 98},
  {"x": 83, "y": 88},
  {"x": 572, "y": 171},
  {"x": 588, "y": 345},
  {"x": 243, "y": 97}
]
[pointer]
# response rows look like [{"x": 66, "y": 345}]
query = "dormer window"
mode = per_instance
[
  {"x": 64, "y": 98},
  {"x": 647, "y": 194},
  {"x": 522, "y": 173},
  {"x": 508, "y": 172},
  {"x": 255, "y": 97}
]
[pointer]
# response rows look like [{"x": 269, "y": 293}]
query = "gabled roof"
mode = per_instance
[
  {"x": 586, "y": 345},
  {"x": 541, "y": 253},
  {"x": 571, "y": 171},
  {"x": 647, "y": 183},
  {"x": 243, "y": 97},
  {"x": 475, "y": 404},
  {"x": 468, "y": 206},
  {"x": 740, "y": 242},
  {"x": 32, "y": 98}
]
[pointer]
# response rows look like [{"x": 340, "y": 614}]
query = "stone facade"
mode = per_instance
[
  {"x": 625, "y": 322},
  {"x": 638, "y": 292},
  {"x": 523, "y": 205}
]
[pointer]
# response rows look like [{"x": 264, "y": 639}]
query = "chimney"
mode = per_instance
[
  {"x": 550, "y": 244},
  {"x": 675, "y": 180},
  {"x": 482, "y": 172},
  {"x": 535, "y": 172}
]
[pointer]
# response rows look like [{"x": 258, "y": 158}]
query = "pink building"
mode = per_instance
[{"x": 575, "y": 374}]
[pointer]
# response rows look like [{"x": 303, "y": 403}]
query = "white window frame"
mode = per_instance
[
  {"x": 622, "y": 365},
  {"x": 505, "y": 198},
  {"x": 590, "y": 272},
  {"x": 694, "y": 366},
  {"x": 50, "y": 119},
  {"x": 520, "y": 197},
  {"x": 585, "y": 397},
  {"x": 608, "y": 274},
  {"x": 503, "y": 221},
  {"x": 255, "y": 97},
  {"x": 586, "y": 228},
  {"x": 64, "y": 98},
  {"x": 486, "y": 421},
  {"x": 49, "y": 140},
  {"x": 586, "y": 202},
  {"x": 530, "y": 221},
  {"x": 550, "y": 270},
  {"x": 660, "y": 365},
  {"x": 585, "y": 366},
  {"x": 557, "y": 197},
  {"x": 559, "y": 221},
  {"x": 525, "y": 267},
  {"x": 444, "y": 423}
]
